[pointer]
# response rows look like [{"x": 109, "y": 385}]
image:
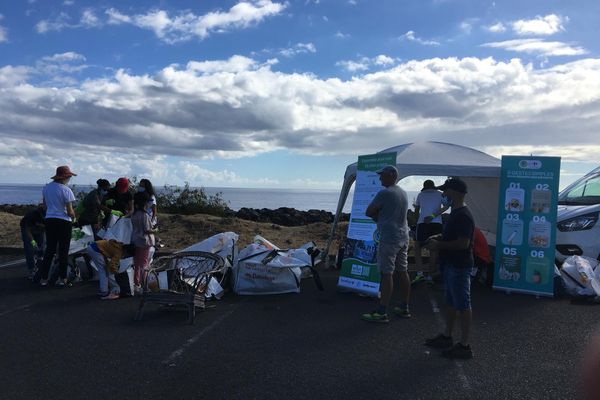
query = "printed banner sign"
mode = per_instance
[
  {"x": 526, "y": 233},
  {"x": 359, "y": 266}
]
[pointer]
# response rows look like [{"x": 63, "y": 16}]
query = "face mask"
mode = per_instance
[
  {"x": 103, "y": 192},
  {"x": 446, "y": 201},
  {"x": 141, "y": 189}
]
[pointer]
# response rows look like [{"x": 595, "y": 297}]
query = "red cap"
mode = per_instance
[
  {"x": 63, "y": 172},
  {"x": 122, "y": 185}
]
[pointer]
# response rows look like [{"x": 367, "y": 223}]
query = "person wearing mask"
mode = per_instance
[
  {"x": 58, "y": 201},
  {"x": 455, "y": 246},
  {"x": 146, "y": 187},
  {"x": 388, "y": 208},
  {"x": 32, "y": 234},
  {"x": 142, "y": 238},
  {"x": 91, "y": 206}
]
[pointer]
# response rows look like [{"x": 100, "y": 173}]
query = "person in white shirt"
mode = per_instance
[
  {"x": 58, "y": 200},
  {"x": 429, "y": 208}
]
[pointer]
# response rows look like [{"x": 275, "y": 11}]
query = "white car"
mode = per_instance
[{"x": 578, "y": 231}]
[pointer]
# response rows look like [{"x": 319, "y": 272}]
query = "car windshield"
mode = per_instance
[{"x": 584, "y": 192}]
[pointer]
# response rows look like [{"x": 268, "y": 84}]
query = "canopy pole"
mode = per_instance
[{"x": 338, "y": 214}]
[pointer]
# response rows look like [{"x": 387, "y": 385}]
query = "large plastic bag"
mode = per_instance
[
  {"x": 121, "y": 231},
  {"x": 581, "y": 276},
  {"x": 222, "y": 244},
  {"x": 262, "y": 268},
  {"x": 80, "y": 238}
]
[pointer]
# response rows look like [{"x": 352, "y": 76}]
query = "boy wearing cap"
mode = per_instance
[
  {"x": 455, "y": 246},
  {"x": 120, "y": 198},
  {"x": 388, "y": 208}
]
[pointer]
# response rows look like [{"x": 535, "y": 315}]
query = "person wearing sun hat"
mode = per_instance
[{"x": 58, "y": 200}]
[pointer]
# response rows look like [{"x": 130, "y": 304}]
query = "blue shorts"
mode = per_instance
[{"x": 457, "y": 284}]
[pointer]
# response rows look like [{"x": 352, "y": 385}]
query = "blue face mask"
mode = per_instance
[
  {"x": 141, "y": 189},
  {"x": 446, "y": 201}
]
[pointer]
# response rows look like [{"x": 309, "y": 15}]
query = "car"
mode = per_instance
[{"x": 578, "y": 230}]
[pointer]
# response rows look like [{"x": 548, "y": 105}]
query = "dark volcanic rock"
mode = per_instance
[{"x": 286, "y": 216}]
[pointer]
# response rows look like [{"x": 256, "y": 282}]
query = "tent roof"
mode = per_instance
[{"x": 439, "y": 159}]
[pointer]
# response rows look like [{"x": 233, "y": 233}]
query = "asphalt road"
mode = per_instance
[{"x": 67, "y": 344}]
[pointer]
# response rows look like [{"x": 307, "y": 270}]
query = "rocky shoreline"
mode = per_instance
[{"x": 283, "y": 216}]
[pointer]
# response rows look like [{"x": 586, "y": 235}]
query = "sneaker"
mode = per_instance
[
  {"x": 402, "y": 312},
  {"x": 102, "y": 294},
  {"x": 43, "y": 282},
  {"x": 418, "y": 279},
  {"x": 110, "y": 296},
  {"x": 439, "y": 342},
  {"x": 375, "y": 317},
  {"x": 458, "y": 351},
  {"x": 137, "y": 290}
]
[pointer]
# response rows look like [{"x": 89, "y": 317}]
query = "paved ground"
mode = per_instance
[{"x": 65, "y": 343}]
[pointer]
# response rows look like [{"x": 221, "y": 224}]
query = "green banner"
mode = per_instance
[
  {"x": 359, "y": 266},
  {"x": 526, "y": 232}
]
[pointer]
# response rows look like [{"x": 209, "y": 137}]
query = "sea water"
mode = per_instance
[{"x": 300, "y": 199}]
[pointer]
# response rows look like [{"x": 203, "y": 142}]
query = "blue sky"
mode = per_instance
[{"x": 266, "y": 93}]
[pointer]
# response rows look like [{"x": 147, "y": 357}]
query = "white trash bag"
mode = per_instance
[{"x": 581, "y": 276}]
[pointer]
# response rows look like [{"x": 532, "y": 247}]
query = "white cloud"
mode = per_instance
[
  {"x": 68, "y": 2},
  {"x": 466, "y": 27},
  {"x": 538, "y": 47},
  {"x": 410, "y": 36},
  {"x": 497, "y": 28},
  {"x": 366, "y": 63},
  {"x": 548, "y": 25},
  {"x": 89, "y": 19},
  {"x": 240, "y": 107},
  {"x": 341, "y": 35},
  {"x": 298, "y": 48},
  {"x": 187, "y": 25},
  {"x": 3, "y": 31},
  {"x": 194, "y": 172},
  {"x": 62, "y": 21}
]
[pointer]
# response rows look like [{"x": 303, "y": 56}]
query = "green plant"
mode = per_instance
[{"x": 187, "y": 200}]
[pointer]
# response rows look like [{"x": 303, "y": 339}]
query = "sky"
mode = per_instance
[{"x": 286, "y": 94}]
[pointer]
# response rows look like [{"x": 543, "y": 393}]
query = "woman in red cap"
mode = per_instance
[
  {"x": 58, "y": 200},
  {"x": 119, "y": 198}
]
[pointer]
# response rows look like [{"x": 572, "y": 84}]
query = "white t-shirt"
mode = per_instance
[
  {"x": 56, "y": 196},
  {"x": 151, "y": 202},
  {"x": 429, "y": 201}
]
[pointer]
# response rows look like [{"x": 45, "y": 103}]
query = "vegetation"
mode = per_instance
[{"x": 186, "y": 200}]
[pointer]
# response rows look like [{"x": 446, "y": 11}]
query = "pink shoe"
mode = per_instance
[{"x": 110, "y": 296}]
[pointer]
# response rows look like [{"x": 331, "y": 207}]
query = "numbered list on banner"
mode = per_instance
[
  {"x": 359, "y": 266},
  {"x": 526, "y": 232}
]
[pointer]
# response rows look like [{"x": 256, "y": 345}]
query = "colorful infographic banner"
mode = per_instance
[
  {"x": 526, "y": 232},
  {"x": 359, "y": 266}
]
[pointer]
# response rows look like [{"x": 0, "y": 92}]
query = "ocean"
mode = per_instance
[{"x": 300, "y": 199}]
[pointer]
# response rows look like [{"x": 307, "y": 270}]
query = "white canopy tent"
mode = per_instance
[{"x": 480, "y": 171}]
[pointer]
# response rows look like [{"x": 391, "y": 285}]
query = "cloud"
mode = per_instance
[
  {"x": 544, "y": 26},
  {"x": 298, "y": 48},
  {"x": 538, "y": 47},
  {"x": 187, "y": 25},
  {"x": 410, "y": 36},
  {"x": 3, "y": 31},
  {"x": 341, "y": 35},
  {"x": 366, "y": 63},
  {"x": 496, "y": 28},
  {"x": 240, "y": 107},
  {"x": 194, "y": 172}
]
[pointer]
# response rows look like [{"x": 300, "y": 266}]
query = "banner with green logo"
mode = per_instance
[
  {"x": 359, "y": 266},
  {"x": 526, "y": 233}
]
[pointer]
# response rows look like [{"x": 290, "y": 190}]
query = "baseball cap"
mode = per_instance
[
  {"x": 388, "y": 169},
  {"x": 122, "y": 185},
  {"x": 455, "y": 184}
]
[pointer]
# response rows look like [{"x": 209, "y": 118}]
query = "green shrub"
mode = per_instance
[{"x": 186, "y": 200}]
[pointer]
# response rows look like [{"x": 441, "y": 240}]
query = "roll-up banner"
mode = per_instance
[{"x": 526, "y": 233}]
